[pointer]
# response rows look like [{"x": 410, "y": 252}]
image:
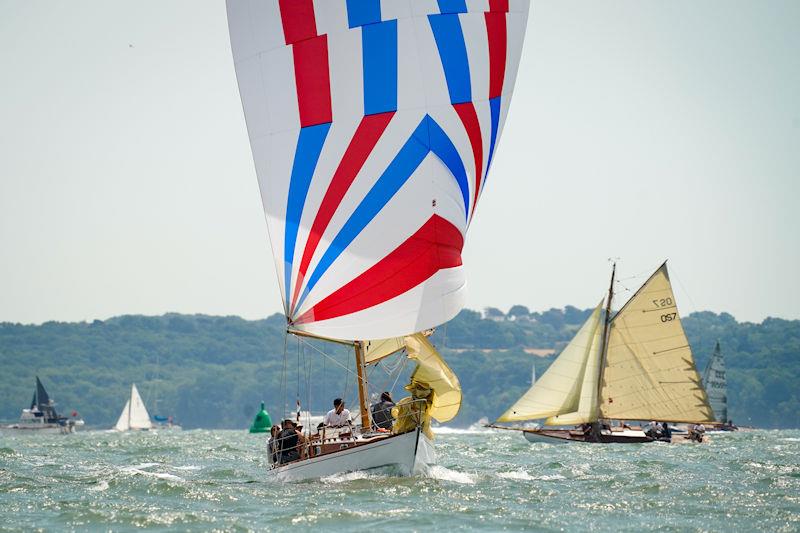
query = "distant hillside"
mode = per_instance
[{"x": 213, "y": 371}]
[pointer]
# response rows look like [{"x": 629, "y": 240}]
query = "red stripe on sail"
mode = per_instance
[
  {"x": 466, "y": 112},
  {"x": 297, "y": 18},
  {"x": 498, "y": 5},
  {"x": 312, "y": 80},
  {"x": 361, "y": 145},
  {"x": 434, "y": 246},
  {"x": 498, "y": 42}
]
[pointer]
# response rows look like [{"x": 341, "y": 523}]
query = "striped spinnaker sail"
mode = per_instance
[{"x": 373, "y": 125}]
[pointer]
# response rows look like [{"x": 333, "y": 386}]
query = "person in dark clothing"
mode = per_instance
[
  {"x": 273, "y": 444},
  {"x": 382, "y": 412},
  {"x": 666, "y": 433},
  {"x": 288, "y": 440}
]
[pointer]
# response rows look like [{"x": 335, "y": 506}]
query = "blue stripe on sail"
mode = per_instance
[
  {"x": 379, "y": 45},
  {"x": 363, "y": 12},
  {"x": 396, "y": 174},
  {"x": 445, "y": 150},
  {"x": 453, "y": 53},
  {"x": 494, "y": 107},
  {"x": 453, "y": 6},
  {"x": 306, "y": 155}
]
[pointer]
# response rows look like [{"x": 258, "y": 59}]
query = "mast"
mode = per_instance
[
  {"x": 606, "y": 323},
  {"x": 130, "y": 407},
  {"x": 362, "y": 385}
]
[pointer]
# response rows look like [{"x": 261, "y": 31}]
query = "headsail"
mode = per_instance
[
  {"x": 560, "y": 389},
  {"x": 716, "y": 385},
  {"x": 649, "y": 372},
  {"x": 432, "y": 372},
  {"x": 123, "y": 422},
  {"x": 373, "y": 125}
]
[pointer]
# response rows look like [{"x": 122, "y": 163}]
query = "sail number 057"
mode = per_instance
[
  {"x": 669, "y": 317},
  {"x": 663, "y": 302}
]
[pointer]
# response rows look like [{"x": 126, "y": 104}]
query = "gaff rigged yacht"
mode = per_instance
[
  {"x": 372, "y": 130},
  {"x": 636, "y": 366},
  {"x": 41, "y": 416},
  {"x": 408, "y": 447}
]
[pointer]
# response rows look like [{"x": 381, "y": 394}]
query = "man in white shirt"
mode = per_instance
[{"x": 338, "y": 416}]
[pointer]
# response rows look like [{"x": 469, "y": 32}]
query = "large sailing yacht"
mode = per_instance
[
  {"x": 372, "y": 127},
  {"x": 634, "y": 366}
]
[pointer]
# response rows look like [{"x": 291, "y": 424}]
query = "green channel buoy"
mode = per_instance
[{"x": 262, "y": 422}]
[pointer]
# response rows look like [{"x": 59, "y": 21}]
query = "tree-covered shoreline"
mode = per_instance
[{"x": 212, "y": 371}]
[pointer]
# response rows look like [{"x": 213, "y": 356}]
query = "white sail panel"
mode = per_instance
[
  {"x": 558, "y": 390},
  {"x": 372, "y": 126},
  {"x": 139, "y": 417},
  {"x": 123, "y": 421},
  {"x": 587, "y": 402},
  {"x": 650, "y": 372},
  {"x": 716, "y": 385}
]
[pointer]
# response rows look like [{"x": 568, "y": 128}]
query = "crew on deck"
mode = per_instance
[
  {"x": 338, "y": 416},
  {"x": 382, "y": 412},
  {"x": 290, "y": 441}
]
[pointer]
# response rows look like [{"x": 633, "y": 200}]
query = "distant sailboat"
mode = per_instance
[
  {"x": 716, "y": 385},
  {"x": 134, "y": 415},
  {"x": 41, "y": 416},
  {"x": 637, "y": 365}
]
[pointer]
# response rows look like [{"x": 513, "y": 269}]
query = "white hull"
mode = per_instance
[
  {"x": 409, "y": 453},
  {"x": 39, "y": 429}
]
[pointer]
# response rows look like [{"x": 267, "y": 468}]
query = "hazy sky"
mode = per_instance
[{"x": 642, "y": 130}]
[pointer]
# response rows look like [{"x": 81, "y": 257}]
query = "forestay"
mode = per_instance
[
  {"x": 650, "y": 372},
  {"x": 373, "y": 125},
  {"x": 559, "y": 390}
]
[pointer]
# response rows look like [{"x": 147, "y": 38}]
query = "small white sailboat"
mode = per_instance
[
  {"x": 372, "y": 129},
  {"x": 716, "y": 384},
  {"x": 636, "y": 366},
  {"x": 134, "y": 415}
]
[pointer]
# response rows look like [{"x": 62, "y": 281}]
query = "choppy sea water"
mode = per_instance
[{"x": 490, "y": 480}]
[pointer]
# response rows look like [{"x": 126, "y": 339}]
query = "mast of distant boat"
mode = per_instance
[{"x": 606, "y": 324}]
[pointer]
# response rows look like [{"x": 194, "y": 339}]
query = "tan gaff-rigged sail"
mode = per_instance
[
  {"x": 587, "y": 402},
  {"x": 558, "y": 391},
  {"x": 649, "y": 371}
]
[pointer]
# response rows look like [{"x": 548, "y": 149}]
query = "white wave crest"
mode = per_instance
[
  {"x": 520, "y": 475},
  {"x": 445, "y": 474},
  {"x": 349, "y": 476}
]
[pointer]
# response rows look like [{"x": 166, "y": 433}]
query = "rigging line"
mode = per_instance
[
  {"x": 327, "y": 356},
  {"x": 283, "y": 375},
  {"x": 399, "y": 373},
  {"x": 297, "y": 392},
  {"x": 673, "y": 273}
]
